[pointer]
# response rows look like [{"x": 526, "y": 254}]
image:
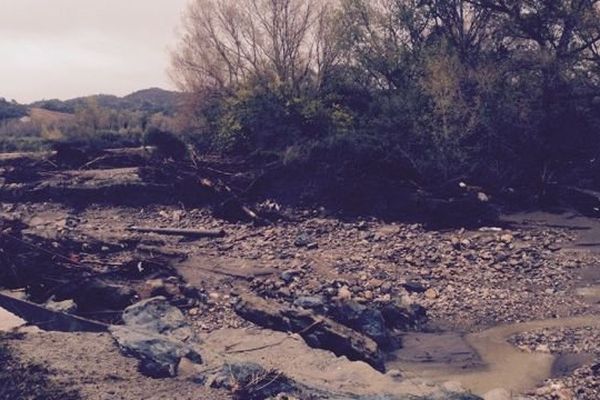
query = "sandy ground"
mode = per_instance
[{"x": 93, "y": 365}]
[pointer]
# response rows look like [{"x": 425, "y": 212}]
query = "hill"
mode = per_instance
[{"x": 153, "y": 100}]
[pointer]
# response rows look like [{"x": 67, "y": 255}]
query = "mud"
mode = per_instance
[{"x": 502, "y": 365}]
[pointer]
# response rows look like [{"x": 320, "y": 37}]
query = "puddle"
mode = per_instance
[
  {"x": 9, "y": 321},
  {"x": 489, "y": 361},
  {"x": 585, "y": 228}
]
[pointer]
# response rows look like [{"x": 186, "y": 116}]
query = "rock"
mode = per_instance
[
  {"x": 159, "y": 355},
  {"x": 312, "y": 246},
  {"x": 288, "y": 276},
  {"x": 156, "y": 315},
  {"x": 251, "y": 381},
  {"x": 414, "y": 287},
  {"x": 344, "y": 293},
  {"x": 155, "y": 332},
  {"x": 303, "y": 240},
  {"x": 368, "y": 321},
  {"x": 498, "y": 394},
  {"x": 507, "y": 238},
  {"x": 403, "y": 317},
  {"x": 542, "y": 348},
  {"x": 431, "y": 294},
  {"x": 394, "y": 373},
  {"x": 314, "y": 302},
  {"x": 385, "y": 287},
  {"x": 67, "y": 306},
  {"x": 317, "y": 331}
]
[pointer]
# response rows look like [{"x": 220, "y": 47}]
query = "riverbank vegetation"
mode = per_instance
[{"x": 500, "y": 93}]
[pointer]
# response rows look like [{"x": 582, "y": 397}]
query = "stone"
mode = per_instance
[
  {"x": 159, "y": 355},
  {"x": 66, "y": 306},
  {"x": 288, "y": 275},
  {"x": 414, "y": 287},
  {"x": 431, "y": 294},
  {"x": 314, "y": 302},
  {"x": 507, "y": 238},
  {"x": 155, "y": 333},
  {"x": 498, "y": 394},
  {"x": 366, "y": 320},
  {"x": 303, "y": 240},
  {"x": 403, "y": 317},
  {"x": 156, "y": 315},
  {"x": 344, "y": 293}
]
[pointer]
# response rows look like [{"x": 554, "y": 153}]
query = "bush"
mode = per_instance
[{"x": 167, "y": 144}]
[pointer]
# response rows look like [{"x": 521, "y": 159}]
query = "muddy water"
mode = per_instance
[
  {"x": 9, "y": 321},
  {"x": 501, "y": 364},
  {"x": 485, "y": 360}
]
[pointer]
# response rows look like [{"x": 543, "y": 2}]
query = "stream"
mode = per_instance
[{"x": 484, "y": 361}]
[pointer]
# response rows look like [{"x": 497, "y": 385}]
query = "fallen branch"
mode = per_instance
[{"x": 180, "y": 232}]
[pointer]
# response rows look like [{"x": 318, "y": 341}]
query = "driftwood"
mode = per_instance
[
  {"x": 180, "y": 232},
  {"x": 47, "y": 319},
  {"x": 317, "y": 331}
]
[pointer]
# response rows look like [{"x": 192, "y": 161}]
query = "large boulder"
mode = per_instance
[
  {"x": 159, "y": 355},
  {"x": 157, "y": 334},
  {"x": 156, "y": 315}
]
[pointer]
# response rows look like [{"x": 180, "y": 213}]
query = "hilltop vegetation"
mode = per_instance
[
  {"x": 98, "y": 121},
  {"x": 153, "y": 100},
  {"x": 11, "y": 109}
]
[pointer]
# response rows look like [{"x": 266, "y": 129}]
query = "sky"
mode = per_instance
[{"x": 69, "y": 48}]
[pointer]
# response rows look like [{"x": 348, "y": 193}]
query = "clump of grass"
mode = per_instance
[{"x": 21, "y": 380}]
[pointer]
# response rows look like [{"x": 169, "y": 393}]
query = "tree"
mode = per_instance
[{"x": 228, "y": 43}]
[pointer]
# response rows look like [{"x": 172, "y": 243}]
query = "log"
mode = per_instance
[
  {"x": 47, "y": 319},
  {"x": 316, "y": 330},
  {"x": 180, "y": 232}
]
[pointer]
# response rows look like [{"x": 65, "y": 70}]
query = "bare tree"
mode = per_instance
[{"x": 227, "y": 43}]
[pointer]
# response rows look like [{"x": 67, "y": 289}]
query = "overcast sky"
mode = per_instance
[{"x": 69, "y": 48}]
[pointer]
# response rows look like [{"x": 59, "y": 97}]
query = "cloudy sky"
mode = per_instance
[{"x": 68, "y": 48}]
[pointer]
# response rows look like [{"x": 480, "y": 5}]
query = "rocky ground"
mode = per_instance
[
  {"x": 466, "y": 280},
  {"x": 583, "y": 343}
]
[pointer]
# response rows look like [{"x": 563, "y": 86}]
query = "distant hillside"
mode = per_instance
[
  {"x": 152, "y": 101},
  {"x": 47, "y": 117}
]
